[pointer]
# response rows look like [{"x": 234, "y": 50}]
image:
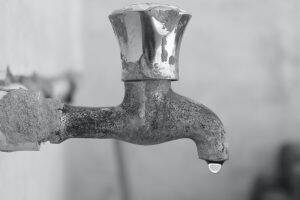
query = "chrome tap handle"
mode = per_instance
[{"x": 149, "y": 36}]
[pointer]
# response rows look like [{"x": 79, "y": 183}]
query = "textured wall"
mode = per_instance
[
  {"x": 240, "y": 58},
  {"x": 42, "y": 37}
]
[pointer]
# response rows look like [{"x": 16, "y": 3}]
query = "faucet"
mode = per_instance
[{"x": 149, "y": 37}]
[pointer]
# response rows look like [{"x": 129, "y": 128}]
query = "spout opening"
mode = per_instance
[{"x": 213, "y": 152}]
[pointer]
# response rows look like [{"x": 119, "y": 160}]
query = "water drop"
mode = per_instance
[{"x": 214, "y": 167}]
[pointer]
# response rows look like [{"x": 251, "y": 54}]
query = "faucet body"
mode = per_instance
[
  {"x": 151, "y": 113},
  {"x": 149, "y": 37}
]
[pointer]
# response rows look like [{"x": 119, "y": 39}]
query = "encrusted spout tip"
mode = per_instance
[
  {"x": 213, "y": 151},
  {"x": 210, "y": 142},
  {"x": 196, "y": 121}
]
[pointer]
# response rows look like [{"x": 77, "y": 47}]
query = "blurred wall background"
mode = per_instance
[
  {"x": 239, "y": 57},
  {"x": 42, "y": 37}
]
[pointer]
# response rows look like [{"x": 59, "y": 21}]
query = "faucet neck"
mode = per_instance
[
  {"x": 148, "y": 86},
  {"x": 138, "y": 93}
]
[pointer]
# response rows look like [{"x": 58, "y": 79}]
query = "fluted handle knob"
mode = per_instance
[{"x": 149, "y": 36}]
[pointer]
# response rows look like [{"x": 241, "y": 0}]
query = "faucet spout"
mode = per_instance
[{"x": 200, "y": 124}]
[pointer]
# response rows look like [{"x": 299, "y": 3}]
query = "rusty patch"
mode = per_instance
[
  {"x": 27, "y": 119},
  {"x": 172, "y": 60}
]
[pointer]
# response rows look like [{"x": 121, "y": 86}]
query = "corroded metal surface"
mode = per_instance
[
  {"x": 27, "y": 119},
  {"x": 149, "y": 37},
  {"x": 151, "y": 113}
]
